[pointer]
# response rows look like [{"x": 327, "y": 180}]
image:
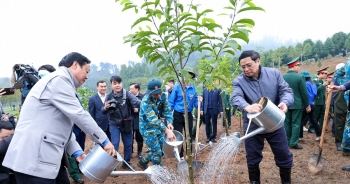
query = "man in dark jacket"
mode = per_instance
[
  {"x": 119, "y": 105},
  {"x": 6, "y": 133},
  {"x": 297, "y": 82},
  {"x": 250, "y": 86},
  {"x": 135, "y": 90}
]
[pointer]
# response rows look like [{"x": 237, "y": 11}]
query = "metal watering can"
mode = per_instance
[
  {"x": 171, "y": 149},
  {"x": 270, "y": 119},
  {"x": 98, "y": 165}
]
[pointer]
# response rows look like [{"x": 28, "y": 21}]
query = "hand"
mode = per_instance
[
  {"x": 136, "y": 110},
  {"x": 200, "y": 99},
  {"x": 308, "y": 109},
  {"x": 80, "y": 158},
  {"x": 1, "y": 93},
  {"x": 170, "y": 126},
  {"x": 170, "y": 135},
  {"x": 254, "y": 108},
  {"x": 107, "y": 105},
  {"x": 109, "y": 148},
  {"x": 221, "y": 113},
  {"x": 5, "y": 118},
  {"x": 325, "y": 83},
  {"x": 283, "y": 107},
  {"x": 227, "y": 108},
  {"x": 201, "y": 112},
  {"x": 334, "y": 88}
]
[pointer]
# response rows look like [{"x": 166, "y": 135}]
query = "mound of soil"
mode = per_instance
[{"x": 331, "y": 172}]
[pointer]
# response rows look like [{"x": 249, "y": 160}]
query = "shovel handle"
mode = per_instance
[{"x": 325, "y": 119}]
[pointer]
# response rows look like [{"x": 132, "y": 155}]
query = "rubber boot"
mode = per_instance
[
  {"x": 254, "y": 174},
  {"x": 285, "y": 174}
]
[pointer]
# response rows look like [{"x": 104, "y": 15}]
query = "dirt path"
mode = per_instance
[{"x": 331, "y": 173}]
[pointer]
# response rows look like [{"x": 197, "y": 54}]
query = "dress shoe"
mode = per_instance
[
  {"x": 207, "y": 141},
  {"x": 346, "y": 154},
  {"x": 80, "y": 181},
  {"x": 346, "y": 168},
  {"x": 214, "y": 140},
  {"x": 339, "y": 148},
  {"x": 296, "y": 147}
]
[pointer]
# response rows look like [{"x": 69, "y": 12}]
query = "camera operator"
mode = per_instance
[{"x": 118, "y": 105}]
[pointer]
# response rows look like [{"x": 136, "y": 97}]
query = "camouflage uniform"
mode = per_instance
[
  {"x": 346, "y": 135},
  {"x": 151, "y": 127}
]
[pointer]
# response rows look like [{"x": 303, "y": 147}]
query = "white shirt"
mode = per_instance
[{"x": 102, "y": 97}]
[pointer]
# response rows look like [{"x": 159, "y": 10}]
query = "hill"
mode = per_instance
[{"x": 312, "y": 67}]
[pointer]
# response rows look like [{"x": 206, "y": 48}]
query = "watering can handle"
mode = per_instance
[{"x": 262, "y": 100}]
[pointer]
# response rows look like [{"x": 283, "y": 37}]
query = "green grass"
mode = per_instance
[{"x": 9, "y": 110}]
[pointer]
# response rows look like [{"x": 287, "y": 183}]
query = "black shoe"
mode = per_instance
[
  {"x": 142, "y": 165},
  {"x": 296, "y": 147},
  {"x": 346, "y": 168},
  {"x": 346, "y": 154},
  {"x": 214, "y": 140},
  {"x": 80, "y": 181},
  {"x": 339, "y": 148},
  {"x": 124, "y": 166},
  {"x": 208, "y": 140},
  {"x": 311, "y": 131}
]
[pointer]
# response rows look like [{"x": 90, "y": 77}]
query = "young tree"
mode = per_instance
[{"x": 170, "y": 33}]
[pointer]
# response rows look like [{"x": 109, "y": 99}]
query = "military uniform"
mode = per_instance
[
  {"x": 226, "y": 97},
  {"x": 297, "y": 82},
  {"x": 320, "y": 99},
  {"x": 152, "y": 128}
]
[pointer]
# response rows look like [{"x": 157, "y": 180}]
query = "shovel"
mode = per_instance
[
  {"x": 195, "y": 163},
  {"x": 316, "y": 161}
]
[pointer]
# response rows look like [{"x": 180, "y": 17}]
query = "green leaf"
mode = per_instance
[
  {"x": 250, "y": 8},
  {"x": 181, "y": 7},
  {"x": 241, "y": 36},
  {"x": 195, "y": 40},
  {"x": 233, "y": 2},
  {"x": 209, "y": 20},
  {"x": 136, "y": 10},
  {"x": 196, "y": 24},
  {"x": 229, "y": 7},
  {"x": 184, "y": 15},
  {"x": 140, "y": 20},
  {"x": 156, "y": 3},
  {"x": 246, "y": 21},
  {"x": 124, "y": 1},
  {"x": 222, "y": 14},
  {"x": 146, "y": 4},
  {"x": 149, "y": 28},
  {"x": 126, "y": 7},
  {"x": 233, "y": 44}
]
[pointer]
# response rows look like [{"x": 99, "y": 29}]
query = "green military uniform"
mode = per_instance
[
  {"x": 293, "y": 116},
  {"x": 320, "y": 99},
  {"x": 226, "y": 97}
]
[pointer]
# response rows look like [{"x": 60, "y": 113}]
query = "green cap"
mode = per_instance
[
  {"x": 154, "y": 87},
  {"x": 305, "y": 73},
  {"x": 190, "y": 70},
  {"x": 294, "y": 62}
]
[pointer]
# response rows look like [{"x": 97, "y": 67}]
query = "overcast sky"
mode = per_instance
[{"x": 43, "y": 31}]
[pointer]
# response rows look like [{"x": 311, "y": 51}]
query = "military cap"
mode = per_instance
[
  {"x": 294, "y": 62},
  {"x": 330, "y": 74},
  {"x": 322, "y": 70},
  {"x": 305, "y": 73},
  {"x": 154, "y": 87}
]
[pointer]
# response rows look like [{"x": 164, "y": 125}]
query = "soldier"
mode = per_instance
[
  {"x": 228, "y": 108},
  {"x": 320, "y": 99},
  {"x": 340, "y": 105},
  {"x": 156, "y": 120},
  {"x": 297, "y": 82}
]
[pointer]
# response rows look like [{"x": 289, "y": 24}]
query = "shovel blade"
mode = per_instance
[
  {"x": 196, "y": 165},
  {"x": 315, "y": 167},
  {"x": 182, "y": 165}
]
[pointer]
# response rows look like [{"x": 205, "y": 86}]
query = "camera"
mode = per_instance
[{"x": 113, "y": 104}]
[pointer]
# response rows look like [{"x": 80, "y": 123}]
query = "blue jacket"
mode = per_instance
[
  {"x": 176, "y": 99},
  {"x": 95, "y": 106},
  {"x": 311, "y": 91},
  {"x": 216, "y": 100}
]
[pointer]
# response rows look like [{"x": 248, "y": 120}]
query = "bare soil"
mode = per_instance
[{"x": 331, "y": 172}]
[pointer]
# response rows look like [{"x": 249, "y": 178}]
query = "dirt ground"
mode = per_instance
[{"x": 331, "y": 172}]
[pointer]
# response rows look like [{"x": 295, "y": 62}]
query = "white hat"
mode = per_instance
[{"x": 339, "y": 66}]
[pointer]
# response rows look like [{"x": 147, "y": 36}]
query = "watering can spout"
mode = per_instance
[{"x": 257, "y": 131}]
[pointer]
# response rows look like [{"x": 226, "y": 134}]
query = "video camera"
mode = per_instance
[{"x": 23, "y": 72}]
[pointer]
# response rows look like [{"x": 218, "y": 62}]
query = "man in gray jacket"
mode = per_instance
[
  {"x": 44, "y": 131},
  {"x": 256, "y": 82}
]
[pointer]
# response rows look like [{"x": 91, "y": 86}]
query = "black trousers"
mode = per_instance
[
  {"x": 312, "y": 121},
  {"x": 179, "y": 125},
  {"x": 340, "y": 108},
  {"x": 139, "y": 139},
  {"x": 62, "y": 178}
]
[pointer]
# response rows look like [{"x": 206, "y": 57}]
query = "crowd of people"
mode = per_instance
[{"x": 55, "y": 139}]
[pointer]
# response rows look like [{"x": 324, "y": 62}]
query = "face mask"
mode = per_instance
[
  {"x": 42, "y": 73},
  {"x": 167, "y": 87}
]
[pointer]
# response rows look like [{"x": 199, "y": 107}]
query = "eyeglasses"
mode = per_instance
[{"x": 249, "y": 65}]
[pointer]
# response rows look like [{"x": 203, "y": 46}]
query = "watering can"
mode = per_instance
[
  {"x": 170, "y": 149},
  {"x": 98, "y": 165},
  {"x": 270, "y": 119}
]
